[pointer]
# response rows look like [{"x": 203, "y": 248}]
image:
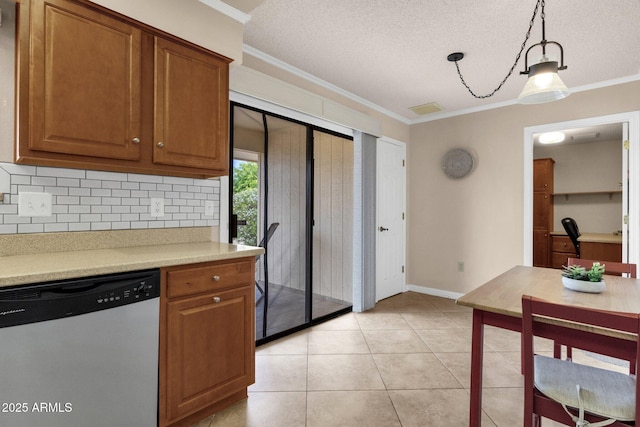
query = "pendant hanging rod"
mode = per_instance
[{"x": 547, "y": 86}]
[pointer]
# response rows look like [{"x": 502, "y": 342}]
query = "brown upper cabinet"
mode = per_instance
[{"x": 97, "y": 90}]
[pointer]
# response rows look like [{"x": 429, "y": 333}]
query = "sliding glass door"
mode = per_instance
[{"x": 274, "y": 206}]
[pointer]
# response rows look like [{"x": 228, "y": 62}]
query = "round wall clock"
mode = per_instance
[{"x": 457, "y": 163}]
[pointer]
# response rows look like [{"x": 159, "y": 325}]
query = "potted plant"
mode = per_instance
[{"x": 578, "y": 278}]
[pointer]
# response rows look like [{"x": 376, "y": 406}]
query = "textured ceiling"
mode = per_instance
[{"x": 392, "y": 53}]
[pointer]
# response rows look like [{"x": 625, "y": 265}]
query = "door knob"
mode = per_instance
[{"x": 383, "y": 229}]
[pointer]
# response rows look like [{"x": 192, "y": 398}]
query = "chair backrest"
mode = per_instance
[
  {"x": 270, "y": 231},
  {"x": 571, "y": 227},
  {"x": 267, "y": 237},
  {"x": 553, "y": 321},
  {"x": 611, "y": 267}
]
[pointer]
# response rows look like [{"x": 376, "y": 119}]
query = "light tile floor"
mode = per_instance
[{"x": 405, "y": 363}]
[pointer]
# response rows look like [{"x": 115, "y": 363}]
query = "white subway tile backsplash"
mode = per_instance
[
  {"x": 79, "y": 226},
  {"x": 8, "y": 229},
  {"x": 56, "y": 227},
  {"x": 92, "y": 200},
  {"x": 79, "y": 191},
  {"x": 68, "y": 182},
  {"x": 106, "y": 176},
  {"x": 131, "y": 185},
  {"x": 30, "y": 228},
  {"x": 59, "y": 172}
]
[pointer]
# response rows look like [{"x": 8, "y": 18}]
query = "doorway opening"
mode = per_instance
[
  {"x": 621, "y": 197},
  {"x": 291, "y": 193}
]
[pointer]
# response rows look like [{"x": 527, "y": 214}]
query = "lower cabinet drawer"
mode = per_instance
[
  {"x": 558, "y": 259},
  {"x": 210, "y": 277},
  {"x": 562, "y": 244}
]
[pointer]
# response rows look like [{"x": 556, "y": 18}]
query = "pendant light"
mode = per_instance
[{"x": 544, "y": 84}]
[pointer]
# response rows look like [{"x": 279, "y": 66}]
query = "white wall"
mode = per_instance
[
  {"x": 187, "y": 19},
  {"x": 479, "y": 220},
  {"x": 585, "y": 167}
]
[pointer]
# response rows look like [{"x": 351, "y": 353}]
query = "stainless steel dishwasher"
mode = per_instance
[{"x": 82, "y": 352}]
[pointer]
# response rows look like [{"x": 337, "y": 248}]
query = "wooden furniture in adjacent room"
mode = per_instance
[
  {"x": 603, "y": 251},
  {"x": 561, "y": 249},
  {"x": 97, "y": 90},
  {"x": 600, "y": 246},
  {"x": 542, "y": 211},
  {"x": 207, "y": 338},
  {"x": 499, "y": 303}
]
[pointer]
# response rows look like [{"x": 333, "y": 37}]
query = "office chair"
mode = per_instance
[
  {"x": 571, "y": 393},
  {"x": 571, "y": 227},
  {"x": 263, "y": 244}
]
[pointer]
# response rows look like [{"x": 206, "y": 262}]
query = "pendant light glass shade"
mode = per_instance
[{"x": 544, "y": 84}]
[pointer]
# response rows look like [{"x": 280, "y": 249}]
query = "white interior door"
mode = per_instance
[{"x": 391, "y": 200}]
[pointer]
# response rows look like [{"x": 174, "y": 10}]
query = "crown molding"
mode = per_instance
[
  {"x": 322, "y": 83},
  {"x": 446, "y": 115},
  {"x": 230, "y": 11},
  {"x": 431, "y": 117}
]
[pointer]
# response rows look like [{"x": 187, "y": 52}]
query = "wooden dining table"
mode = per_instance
[{"x": 499, "y": 303}]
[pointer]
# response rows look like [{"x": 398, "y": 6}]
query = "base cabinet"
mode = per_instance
[
  {"x": 601, "y": 251},
  {"x": 561, "y": 250},
  {"x": 207, "y": 339}
]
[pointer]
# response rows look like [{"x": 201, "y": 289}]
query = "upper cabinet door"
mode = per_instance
[
  {"x": 84, "y": 82},
  {"x": 191, "y": 108}
]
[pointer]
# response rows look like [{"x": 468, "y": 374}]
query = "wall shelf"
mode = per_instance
[{"x": 610, "y": 193}]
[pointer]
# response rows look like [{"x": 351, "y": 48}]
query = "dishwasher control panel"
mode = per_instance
[
  {"x": 53, "y": 300},
  {"x": 137, "y": 291}
]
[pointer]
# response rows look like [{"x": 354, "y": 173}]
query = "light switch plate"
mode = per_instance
[
  {"x": 34, "y": 204},
  {"x": 157, "y": 208}
]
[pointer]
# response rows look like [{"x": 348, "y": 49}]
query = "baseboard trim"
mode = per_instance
[{"x": 433, "y": 291}]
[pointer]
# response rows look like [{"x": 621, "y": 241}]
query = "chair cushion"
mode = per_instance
[{"x": 606, "y": 393}]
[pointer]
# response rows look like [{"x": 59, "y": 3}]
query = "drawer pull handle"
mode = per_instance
[
  {"x": 160, "y": 144},
  {"x": 136, "y": 140},
  {"x": 216, "y": 278},
  {"x": 216, "y": 299}
]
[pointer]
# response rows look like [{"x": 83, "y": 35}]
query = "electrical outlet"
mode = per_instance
[
  {"x": 34, "y": 204},
  {"x": 156, "y": 209},
  {"x": 461, "y": 266}
]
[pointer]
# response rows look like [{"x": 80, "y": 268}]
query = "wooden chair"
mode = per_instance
[
  {"x": 615, "y": 268},
  {"x": 263, "y": 244},
  {"x": 570, "y": 393}
]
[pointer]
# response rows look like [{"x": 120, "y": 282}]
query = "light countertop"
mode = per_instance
[
  {"x": 42, "y": 267},
  {"x": 594, "y": 237}
]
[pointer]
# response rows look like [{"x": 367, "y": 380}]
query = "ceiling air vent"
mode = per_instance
[{"x": 424, "y": 109}]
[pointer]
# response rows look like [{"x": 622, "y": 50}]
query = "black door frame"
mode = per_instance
[{"x": 309, "y": 220}]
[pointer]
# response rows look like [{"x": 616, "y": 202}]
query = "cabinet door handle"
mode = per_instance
[
  {"x": 216, "y": 278},
  {"x": 160, "y": 144},
  {"x": 136, "y": 140},
  {"x": 216, "y": 299}
]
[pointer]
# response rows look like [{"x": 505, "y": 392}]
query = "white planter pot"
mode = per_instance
[{"x": 583, "y": 286}]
